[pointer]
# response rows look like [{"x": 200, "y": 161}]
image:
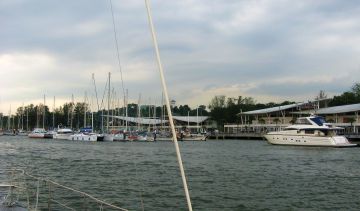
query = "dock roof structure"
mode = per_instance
[
  {"x": 333, "y": 110},
  {"x": 151, "y": 121},
  {"x": 273, "y": 109}
]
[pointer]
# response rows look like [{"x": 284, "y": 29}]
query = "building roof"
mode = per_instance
[
  {"x": 273, "y": 109},
  {"x": 144, "y": 121},
  {"x": 151, "y": 121},
  {"x": 339, "y": 109},
  {"x": 192, "y": 119}
]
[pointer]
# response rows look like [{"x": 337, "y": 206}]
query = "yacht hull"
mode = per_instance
[{"x": 334, "y": 141}]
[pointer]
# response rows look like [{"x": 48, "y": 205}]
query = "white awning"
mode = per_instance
[
  {"x": 152, "y": 121},
  {"x": 192, "y": 119},
  {"x": 144, "y": 121}
]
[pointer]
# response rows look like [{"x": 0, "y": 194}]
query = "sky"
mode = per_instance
[{"x": 271, "y": 50}]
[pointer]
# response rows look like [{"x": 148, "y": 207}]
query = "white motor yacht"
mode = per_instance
[
  {"x": 83, "y": 137},
  {"x": 37, "y": 133},
  {"x": 63, "y": 133},
  {"x": 309, "y": 131}
]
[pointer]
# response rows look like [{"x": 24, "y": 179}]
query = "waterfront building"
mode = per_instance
[{"x": 276, "y": 118}]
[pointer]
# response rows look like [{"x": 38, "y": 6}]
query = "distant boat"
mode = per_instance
[
  {"x": 37, "y": 133},
  {"x": 83, "y": 137},
  {"x": 22, "y": 133},
  {"x": 9, "y": 133},
  {"x": 63, "y": 133},
  {"x": 50, "y": 134},
  {"x": 85, "y": 134},
  {"x": 309, "y": 131},
  {"x": 193, "y": 137}
]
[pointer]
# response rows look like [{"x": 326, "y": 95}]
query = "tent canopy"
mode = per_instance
[{"x": 152, "y": 121}]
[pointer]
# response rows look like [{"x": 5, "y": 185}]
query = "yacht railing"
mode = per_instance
[{"x": 40, "y": 193}]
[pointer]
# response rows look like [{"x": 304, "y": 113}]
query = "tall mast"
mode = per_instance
[
  {"x": 107, "y": 118},
  {"x": 139, "y": 111},
  {"x": 197, "y": 119},
  {"x": 187, "y": 194},
  {"x": 54, "y": 114},
  {"x": 22, "y": 117},
  {"x": 126, "y": 110},
  {"x": 43, "y": 125},
  {"x": 9, "y": 119},
  {"x": 72, "y": 109},
  {"x": 149, "y": 113},
  {"x": 85, "y": 109},
  {"x": 27, "y": 119}
]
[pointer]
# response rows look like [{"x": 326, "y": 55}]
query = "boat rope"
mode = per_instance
[
  {"x": 103, "y": 97},
  {"x": 168, "y": 108},
  {"x": 96, "y": 94},
  {"x": 85, "y": 195},
  {"x": 117, "y": 50}
]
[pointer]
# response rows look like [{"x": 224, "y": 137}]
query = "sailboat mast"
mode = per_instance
[
  {"x": 85, "y": 109},
  {"x": 72, "y": 111},
  {"x": 107, "y": 118},
  {"x": 54, "y": 114},
  {"x": 9, "y": 119},
  {"x": 27, "y": 119},
  {"x": 22, "y": 117},
  {"x": 139, "y": 112},
  {"x": 43, "y": 125},
  {"x": 182, "y": 171},
  {"x": 197, "y": 119},
  {"x": 126, "y": 110}
]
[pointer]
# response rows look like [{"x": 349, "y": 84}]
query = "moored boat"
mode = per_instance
[
  {"x": 309, "y": 131},
  {"x": 63, "y": 133},
  {"x": 37, "y": 133},
  {"x": 85, "y": 134}
]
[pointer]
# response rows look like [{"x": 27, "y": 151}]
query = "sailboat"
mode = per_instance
[{"x": 39, "y": 132}]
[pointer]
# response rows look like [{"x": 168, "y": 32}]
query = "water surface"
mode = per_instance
[{"x": 222, "y": 175}]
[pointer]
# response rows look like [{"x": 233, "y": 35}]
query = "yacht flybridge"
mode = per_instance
[{"x": 309, "y": 131}]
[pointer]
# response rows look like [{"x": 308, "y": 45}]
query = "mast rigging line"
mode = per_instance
[
  {"x": 117, "y": 49},
  {"x": 102, "y": 100},
  {"x": 96, "y": 94}
]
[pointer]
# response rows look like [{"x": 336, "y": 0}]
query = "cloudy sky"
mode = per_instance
[{"x": 272, "y": 50}]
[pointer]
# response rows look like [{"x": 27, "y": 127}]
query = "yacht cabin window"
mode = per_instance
[
  {"x": 302, "y": 121},
  {"x": 318, "y": 120}
]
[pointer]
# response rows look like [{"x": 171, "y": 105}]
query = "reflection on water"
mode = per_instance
[{"x": 222, "y": 175}]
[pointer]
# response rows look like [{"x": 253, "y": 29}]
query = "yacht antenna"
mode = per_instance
[{"x": 168, "y": 106}]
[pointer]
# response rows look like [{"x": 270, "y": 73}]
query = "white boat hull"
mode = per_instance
[
  {"x": 109, "y": 137},
  {"x": 36, "y": 135},
  {"x": 62, "y": 136},
  {"x": 83, "y": 137},
  {"x": 303, "y": 140}
]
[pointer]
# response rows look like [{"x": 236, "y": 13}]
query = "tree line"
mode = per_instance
[
  {"x": 221, "y": 109},
  {"x": 77, "y": 115}
]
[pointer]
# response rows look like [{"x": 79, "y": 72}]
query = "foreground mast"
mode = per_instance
[{"x": 168, "y": 107}]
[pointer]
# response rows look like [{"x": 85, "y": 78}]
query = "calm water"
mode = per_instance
[{"x": 222, "y": 175}]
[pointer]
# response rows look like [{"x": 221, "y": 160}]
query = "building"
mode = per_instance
[{"x": 275, "y": 118}]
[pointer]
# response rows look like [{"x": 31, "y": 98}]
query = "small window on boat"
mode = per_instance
[
  {"x": 309, "y": 132},
  {"x": 302, "y": 121}
]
